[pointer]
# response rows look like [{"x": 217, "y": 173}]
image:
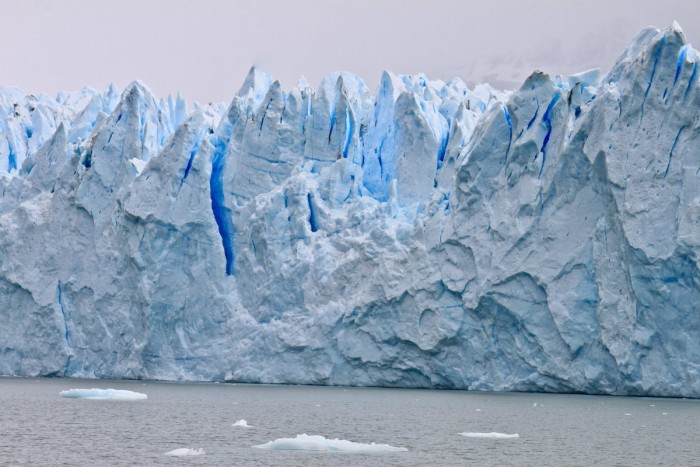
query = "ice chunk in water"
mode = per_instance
[
  {"x": 490, "y": 435},
  {"x": 181, "y": 452},
  {"x": 306, "y": 442},
  {"x": 242, "y": 423},
  {"x": 103, "y": 394}
]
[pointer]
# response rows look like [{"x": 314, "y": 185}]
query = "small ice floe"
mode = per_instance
[
  {"x": 628, "y": 414},
  {"x": 492, "y": 435},
  {"x": 535, "y": 404},
  {"x": 103, "y": 394},
  {"x": 652, "y": 405},
  {"x": 182, "y": 452},
  {"x": 242, "y": 423},
  {"x": 478, "y": 410},
  {"x": 664, "y": 413},
  {"x": 306, "y": 442}
]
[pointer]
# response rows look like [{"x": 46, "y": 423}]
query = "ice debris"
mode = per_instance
[
  {"x": 492, "y": 435},
  {"x": 184, "y": 452},
  {"x": 306, "y": 442},
  {"x": 103, "y": 394}
]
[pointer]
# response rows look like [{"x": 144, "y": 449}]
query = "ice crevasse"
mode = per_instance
[{"x": 428, "y": 235}]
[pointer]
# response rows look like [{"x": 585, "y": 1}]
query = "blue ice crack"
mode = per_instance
[
  {"x": 313, "y": 223},
  {"x": 349, "y": 130},
  {"x": 679, "y": 64},
  {"x": 510, "y": 129},
  {"x": 547, "y": 120},
  {"x": 59, "y": 301},
  {"x": 222, "y": 214},
  {"x": 657, "y": 54},
  {"x": 670, "y": 154}
]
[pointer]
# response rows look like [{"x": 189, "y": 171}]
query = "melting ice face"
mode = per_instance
[
  {"x": 492, "y": 435},
  {"x": 306, "y": 442},
  {"x": 103, "y": 394},
  {"x": 366, "y": 233}
]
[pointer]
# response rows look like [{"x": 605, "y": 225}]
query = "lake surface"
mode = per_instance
[{"x": 38, "y": 427}]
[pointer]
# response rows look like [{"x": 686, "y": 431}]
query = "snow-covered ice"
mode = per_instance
[
  {"x": 540, "y": 239},
  {"x": 306, "y": 442},
  {"x": 103, "y": 394},
  {"x": 493, "y": 435}
]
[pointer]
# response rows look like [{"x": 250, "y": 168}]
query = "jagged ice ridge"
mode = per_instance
[{"x": 428, "y": 235}]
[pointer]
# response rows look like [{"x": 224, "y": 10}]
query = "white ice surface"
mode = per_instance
[{"x": 242, "y": 424}]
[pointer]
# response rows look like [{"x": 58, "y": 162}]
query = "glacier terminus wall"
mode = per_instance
[{"x": 426, "y": 235}]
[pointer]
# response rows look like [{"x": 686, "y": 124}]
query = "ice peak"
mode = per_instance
[
  {"x": 390, "y": 85},
  {"x": 353, "y": 84},
  {"x": 302, "y": 83},
  {"x": 254, "y": 87},
  {"x": 275, "y": 87},
  {"x": 138, "y": 88},
  {"x": 536, "y": 79},
  {"x": 676, "y": 27}
]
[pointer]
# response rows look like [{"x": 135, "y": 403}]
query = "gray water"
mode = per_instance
[{"x": 37, "y": 427}]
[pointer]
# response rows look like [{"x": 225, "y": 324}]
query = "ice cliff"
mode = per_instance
[{"x": 428, "y": 235}]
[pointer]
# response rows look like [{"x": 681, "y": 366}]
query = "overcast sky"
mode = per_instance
[{"x": 204, "y": 48}]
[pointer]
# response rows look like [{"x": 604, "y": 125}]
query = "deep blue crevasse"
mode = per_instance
[
  {"x": 657, "y": 54},
  {"x": 510, "y": 128},
  {"x": 222, "y": 214},
  {"x": 547, "y": 120},
  {"x": 679, "y": 63},
  {"x": 11, "y": 161},
  {"x": 670, "y": 154},
  {"x": 195, "y": 147},
  {"x": 312, "y": 214},
  {"x": 349, "y": 130}
]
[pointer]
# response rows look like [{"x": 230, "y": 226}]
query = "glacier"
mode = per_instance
[{"x": 428, "y": 235}]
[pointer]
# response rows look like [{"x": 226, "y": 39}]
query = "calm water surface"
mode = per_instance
[{"x": 37, "y": 427}]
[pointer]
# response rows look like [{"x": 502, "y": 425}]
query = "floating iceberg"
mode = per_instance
[
  {"x": 242, "y": 424},
  {"x": 183, "y": 452},
  {"x": 103, "y": 394},
  {"x": 427, "y": 234},
  {"x": 306, "y": 442},
  {"x": 492, "y": 435}
]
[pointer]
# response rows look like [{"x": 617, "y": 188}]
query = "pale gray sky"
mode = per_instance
[{"x": 204, "y": 48}]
